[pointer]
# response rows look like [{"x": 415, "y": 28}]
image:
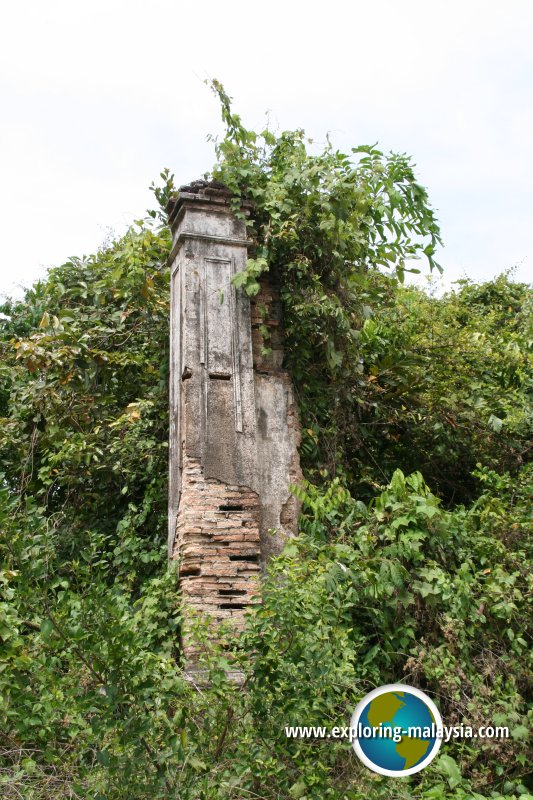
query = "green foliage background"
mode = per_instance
[{"x": 413, "y": 560}]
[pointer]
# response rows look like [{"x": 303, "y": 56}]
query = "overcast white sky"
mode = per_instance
[{"x": 97, "y": 97}]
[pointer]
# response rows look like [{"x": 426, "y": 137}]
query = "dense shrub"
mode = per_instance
[{"x": 412, "y": 563}]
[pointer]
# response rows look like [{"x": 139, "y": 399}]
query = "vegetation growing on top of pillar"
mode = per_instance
[{"x": 379, "y": 369}]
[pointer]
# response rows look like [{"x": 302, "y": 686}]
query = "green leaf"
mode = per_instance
[
  {"x": 298, "y": 790},
  {"x": 520, "y": 732},
  {"x": 103, "y": 758},
  {"x": 197, "y": 764},
  {"x": 47, "y": 628},
  {"x": 495, "y": 423},
  {"x": 448, "y": 766}
]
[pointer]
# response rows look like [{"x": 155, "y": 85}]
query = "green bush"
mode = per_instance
[{"x": 413, "y": 559}]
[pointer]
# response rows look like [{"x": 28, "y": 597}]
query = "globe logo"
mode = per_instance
[{"x": 394, "y": 730}]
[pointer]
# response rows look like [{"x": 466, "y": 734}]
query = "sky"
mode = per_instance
[{"x": 96, "y": 98}]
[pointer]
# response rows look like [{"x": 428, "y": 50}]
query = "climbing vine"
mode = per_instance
[{"x": 376, "y": 365}]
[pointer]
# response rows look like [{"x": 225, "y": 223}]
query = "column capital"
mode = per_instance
[{"x": 203, "y": 210}]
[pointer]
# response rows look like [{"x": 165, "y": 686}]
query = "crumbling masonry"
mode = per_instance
[{"x": 234, "y": 428}]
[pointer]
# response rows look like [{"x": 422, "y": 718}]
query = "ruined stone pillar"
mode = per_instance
[{"x": 233, "y": 423}]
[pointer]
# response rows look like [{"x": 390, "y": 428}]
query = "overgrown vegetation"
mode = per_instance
[{"x": 413, "y": 562}]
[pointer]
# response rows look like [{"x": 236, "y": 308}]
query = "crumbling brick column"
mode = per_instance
[{"x": 234, "y": 430}]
